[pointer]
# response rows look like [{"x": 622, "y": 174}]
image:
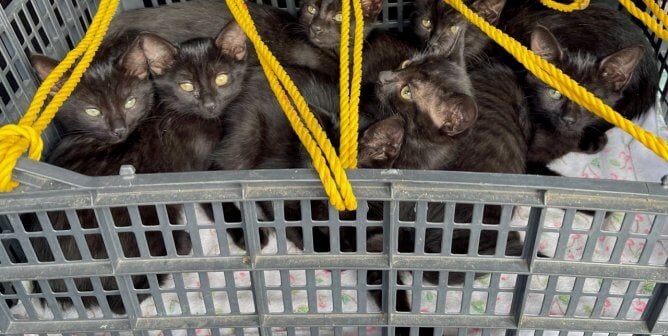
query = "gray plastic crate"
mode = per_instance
[{"x": 624, "y": 288}]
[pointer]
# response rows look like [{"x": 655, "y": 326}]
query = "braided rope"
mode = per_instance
[
  {"x": 350, "y": 98},
  {"x": 325, "y": 161},
  {"x": 552, "y": 76}
]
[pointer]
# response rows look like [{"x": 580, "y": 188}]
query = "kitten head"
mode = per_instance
[
  {"x": 322, "y": 20},
  {"x": 111, "y": 97},
  {"x": 199, "y": 76},
  {"x": 440, "y": 25},
  {"x": 606, "y": 78},
  {"x": 380, "y": 144},
  {"x": 432, "y": 92}
]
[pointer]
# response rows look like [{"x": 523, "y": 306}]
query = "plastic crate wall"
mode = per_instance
[{"x": 53, "y": 26}]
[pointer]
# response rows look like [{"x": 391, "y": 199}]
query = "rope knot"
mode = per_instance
[{"x": 14, "y": 141}]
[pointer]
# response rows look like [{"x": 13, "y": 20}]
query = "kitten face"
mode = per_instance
[
  {"x": 432, "y": 92},
  {"x": 200, "y": 76},
  {"x": 440, "y": 23},
  {"x": 606, "y": 78},
  {"x": 110, "y": 99},
  {"x": 322, "y": 19}
]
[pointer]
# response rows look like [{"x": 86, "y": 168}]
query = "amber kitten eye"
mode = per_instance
[
  {"x": 311, "y": 9},
  {"x": 338, "y": 17},
  {"x": 221, "y": 79},
  {"x": 404, "y": 64},
  {"x": 426, "y": 23},
  {"x": 554, "y": 94},
  {"x": 186, "y": 86},
  {"x": 454, "y": 29},
  {"x": 93, "y": 112},
  {"x": 130, "y": 103},
  {"x": 406, "y": 93}
]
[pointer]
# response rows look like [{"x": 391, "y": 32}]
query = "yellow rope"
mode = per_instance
[
  {"x": 551, "y": 75},
  {"x": 575, "y": 5},
  {"x": 350, "y": 92},
  {"x": 17, "y": 139},
  {"x": 306, "y": 126},
  {"x": 659, "y": 28}
]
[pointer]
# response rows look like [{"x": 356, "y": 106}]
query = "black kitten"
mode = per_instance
[
  {"x": 434, "y": 96},
  {"x": 562, "y": 126},
  {"x": 610, "y": 56},
  {"x": 109, "y": 101},
  {"x": 437, "y": 24},
  {"x": 322, "y": 19},
  {"x": 284, "y": 35},
  {"x": 175, "y": 137},
  {"x": 259, "y": 136}
]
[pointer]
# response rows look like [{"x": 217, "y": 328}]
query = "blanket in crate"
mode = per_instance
[{"x": 623, "y": 159}]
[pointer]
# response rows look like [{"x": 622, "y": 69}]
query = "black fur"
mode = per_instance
[
  {"x": 283, "y": 34},
  {"x": 172, "y": 138},
  {"x": 584, "y": 40}
]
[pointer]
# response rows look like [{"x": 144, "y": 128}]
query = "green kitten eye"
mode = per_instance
[
  {"x": 93, "y": 112},
  {"x": 338, "y": 17},
  {"x": 454, "y": 29},
  {"x": 311, "y": 9},
  {"x": 406, "y": 93},
  {"x": 554, "y": 94},
  {"x": 130, "y": 103},
  {"x": 426, "y": 23},
  {"x": 221, "y": 79},
  {"x": 186, "y": 86},
  {"x": 404, "y": 64}
]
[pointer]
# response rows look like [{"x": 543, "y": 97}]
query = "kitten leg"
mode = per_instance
[{"x": 593, "y": 141}]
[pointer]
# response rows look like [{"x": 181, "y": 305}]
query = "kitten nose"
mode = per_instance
[
  {"x": 209, "y": 105},
  {"x": 119, "y": 131},
  {"x": 316, "y": 29},
  {"x": 569, "y": 120},
  {"x": 385, "y": 76}
]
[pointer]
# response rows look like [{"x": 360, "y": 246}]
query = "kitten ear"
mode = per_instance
[
  {"x": 545, "y": 44},
  {"x": 232, "y": 41},
  {"x": 490, "y": 10},
  {"x": 381, "y": 143},
  {"x": 43, "y": 65},
  {"x": 371, "y": 8},
  {"x": 459, "y": 113},
  {"x": 618, "y": 68},
  {"x": 148, "y": 52}
]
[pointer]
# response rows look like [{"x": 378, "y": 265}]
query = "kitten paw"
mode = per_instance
[{"x": 594, "y": 144}]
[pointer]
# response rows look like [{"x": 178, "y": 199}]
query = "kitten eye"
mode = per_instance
[
  {"x": 406, "y": 93},
  {"x": 221, "y": 79},
  {"x": 404, "y": 64},
  {"x": 186, "y": 86},
  {"x": 554, "y": 94},
  {"x": 338, "y": 17},
  {"x": 93, "y": 112},
  {"x": 311, "y": 9},
  {"x": 130, "y": 103},
  {"x": 426, "y": 23},
  {"x": 454, "y": 29}
]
